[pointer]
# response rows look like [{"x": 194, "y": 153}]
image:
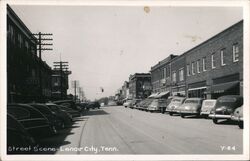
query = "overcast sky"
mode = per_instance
[{"x": 104, "y": 45}]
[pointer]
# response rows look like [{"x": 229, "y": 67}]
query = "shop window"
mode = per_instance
[
  {"x": 235, "y": 52},
  {"x": 222, "y": 57},
  {"x": 213, "y": 61},
  {"x": 204, "y": 64}
]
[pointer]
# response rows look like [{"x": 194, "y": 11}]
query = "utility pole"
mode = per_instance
[
  {"x": 62, "y": 67},
  {"x": 41, "y": 37}
]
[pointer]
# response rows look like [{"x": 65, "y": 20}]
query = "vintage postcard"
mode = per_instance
[{"x": 124, "y": 80}]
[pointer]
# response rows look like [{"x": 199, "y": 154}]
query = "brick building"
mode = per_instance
[
  {"x": 215, "y": 67},
  {"x": 178, "y": 79},
  {"x": 60, "y": 83},
  {"x": 23, "y": 64},
  {"x": 161, "y": 75},
  {"x": 139, "y": 85},
  {"x": 209, "y": 70}
]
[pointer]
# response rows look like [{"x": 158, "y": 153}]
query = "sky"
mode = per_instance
[{"x": 105, "y": 44}]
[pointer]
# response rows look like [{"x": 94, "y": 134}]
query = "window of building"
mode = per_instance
[
  {"x": 204, "y": 64},
  {"x": 222, "y": 57},
  {"x": 188, "y": 70},
  {"x": 192, "y": 68},
  {"x": 20, "y": 40},
  {"x": 198, "y": 66},
  {"x": 235, "y": 52},
  {"x": 213, "y": 61},
  {"x": 181, "y": 74},
  {"x": 164, "y": 72},
  {"x": 174, "y": 77}
]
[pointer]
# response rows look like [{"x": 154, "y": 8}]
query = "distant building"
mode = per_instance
[
  {"x": 140, "y": 85},
  {"x": 162, "y": 75},
  {"x": 125, "y": 90},
  {"x": 60, "y": 84},
  {"x": 28, "y": 77}
]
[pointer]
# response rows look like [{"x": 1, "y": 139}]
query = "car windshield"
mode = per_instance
[
  {"x": 192, "y": 101},
  {"x": 176, "y": 101}
]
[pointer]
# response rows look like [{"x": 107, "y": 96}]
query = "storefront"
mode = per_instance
[{"x": 197, "y": 90}]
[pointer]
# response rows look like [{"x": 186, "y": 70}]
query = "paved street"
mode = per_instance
[{"x": 119, "y": 130}]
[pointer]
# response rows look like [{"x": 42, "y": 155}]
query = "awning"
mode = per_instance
[
  {"x": 153, "y": 95},
  {"x": 193, "y": 89},
  {"x": 162, "y": 94},
  {"x": 223, "y": 87}
]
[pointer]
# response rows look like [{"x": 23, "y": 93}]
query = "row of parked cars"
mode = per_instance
[
  {"x": 228, "y": 107},
  {"x": 28, "y": 124}
]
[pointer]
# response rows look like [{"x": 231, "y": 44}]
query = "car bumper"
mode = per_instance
[
  {"x": 218, "y": 116},
  {"x": 234, "y": 118},
  {"x": 205, "y": 112},
  {"x": 189, "y": 112}
]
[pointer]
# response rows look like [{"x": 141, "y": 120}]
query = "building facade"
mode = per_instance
[
  {"x": 28, "y": 77},
  {"x": 139, "y": 85},
  {"x": 209, "y": 70},
  {"x": 215, "y": 67},
  {"x": 60, "y": 84},
  {"x": 162, "y": 75}
]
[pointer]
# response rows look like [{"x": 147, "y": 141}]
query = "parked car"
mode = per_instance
[
  {"x": 225, "y": 106},
  {"x": 72, "y": 112},
  {"x": 70, "y": 104},
  {"x": 143, "y": 105},
  {"x": 127, "y": 103},
  {"x": 207, "y": 106},
  {"x": 238, "y": 116},
  {"x": 134, "y": 103},
  {"x": 17, "y": 136},
  {"x": 191, "y": 106},
  {"x": 34, "y": 122},
  {"x": 174, "y": 104},
  {"x": 65, "y": 117},
  {"x": 157, "y": 104},
  {"x": 93, "y": 105}
]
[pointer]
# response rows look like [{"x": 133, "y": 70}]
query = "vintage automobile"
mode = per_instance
[
  {"x": 17, "y": 136},
  {"x": 225, "y": 106},
  {"x": 34, "y": 122},
  {"x": 238, "y": 116},
  {"x": 127, "y": 103},
  {"x": 72, "y": 112},
  {"x": 65, "y": 117},
  {"x": 157, "y": 104},
  {"x": 134, "y": 103},
  {"x": 93, "y": 105},
  {"x": 70, "y": 104},
  {"x": 174, "y": 104},
  {"x": 191, "y": 106},
  {"x": 207, "y": 106},
  {"x": 143, "y": 105},
  {"x": 53, "y": 118}
]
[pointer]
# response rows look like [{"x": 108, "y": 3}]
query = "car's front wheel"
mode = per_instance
[
  {"x": 170, "y": 113},
  {"x": 215, "y": 120},
  {"x": 182, "y": 115}
]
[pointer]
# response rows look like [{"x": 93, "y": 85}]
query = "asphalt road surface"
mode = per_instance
[{"x": 119, "y": 130}]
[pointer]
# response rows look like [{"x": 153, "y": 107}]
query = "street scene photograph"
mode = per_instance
[{"x": 124, "y": 80}]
